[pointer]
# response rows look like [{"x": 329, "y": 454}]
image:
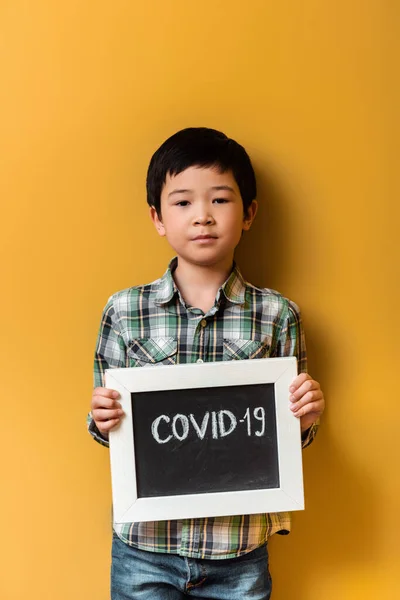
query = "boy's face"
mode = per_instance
[{"x": 202, "y": 215}]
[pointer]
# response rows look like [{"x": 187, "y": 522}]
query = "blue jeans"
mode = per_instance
[{"x": 141, "y": 575}]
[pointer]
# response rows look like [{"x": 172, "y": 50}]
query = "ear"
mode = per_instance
[
  {"x": 158, "y": 224},
  {"x": 250, "y": 216}
]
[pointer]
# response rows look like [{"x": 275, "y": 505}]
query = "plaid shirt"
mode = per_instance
[{"x": 152, "y": 325}]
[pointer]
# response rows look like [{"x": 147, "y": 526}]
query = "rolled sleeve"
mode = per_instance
[
  {"x": 309, "y": 434},
  {"x": 94, "y": 432}
]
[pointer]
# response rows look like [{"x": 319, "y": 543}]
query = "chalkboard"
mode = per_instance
[{"x": 201, "y": 440}]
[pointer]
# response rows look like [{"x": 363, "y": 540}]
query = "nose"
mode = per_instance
[{"x": 203, "y": 217}]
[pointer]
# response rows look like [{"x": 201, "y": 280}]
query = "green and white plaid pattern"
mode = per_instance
[{"x": 152, "y": 325}]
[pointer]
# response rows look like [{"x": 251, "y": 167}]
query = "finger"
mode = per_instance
[
  {"x": 298, "y": 381},
  {"x": 312, "y": 407},
  {"x": 311, "y": 396},
  {"x": 105, "y": 427},
  {"x": 103, "y": 402},
  {"x": 104, "y": 414},
  {"x": 306, "y": 386},
  {"x": 106, "y": 392}
]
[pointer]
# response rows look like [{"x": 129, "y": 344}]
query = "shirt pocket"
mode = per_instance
[
  {"x": 246, "y": 349},
  {"x": 146, "y": 352}
]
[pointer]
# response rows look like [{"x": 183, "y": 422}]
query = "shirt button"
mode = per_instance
[
  {"x": 203, "y": 322},
  {"x": 199, "y": 360}
]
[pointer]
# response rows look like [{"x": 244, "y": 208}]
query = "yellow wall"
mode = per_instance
[{"x": 88, "y": 91}]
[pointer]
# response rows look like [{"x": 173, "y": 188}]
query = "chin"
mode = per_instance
[{"x": 205, "y": 259}]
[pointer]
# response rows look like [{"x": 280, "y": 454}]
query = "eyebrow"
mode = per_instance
[{"x": 215, "y": 187}]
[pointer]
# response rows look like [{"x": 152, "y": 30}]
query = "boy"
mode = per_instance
[{"x": 201, "y": 190}]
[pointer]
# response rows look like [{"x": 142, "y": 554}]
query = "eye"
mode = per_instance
[
  {"x": 182, "y": 203},
  {"x": 220, "y": 200}
]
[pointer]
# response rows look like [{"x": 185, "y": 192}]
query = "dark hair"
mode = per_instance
[{"x": 202, "y": 147}]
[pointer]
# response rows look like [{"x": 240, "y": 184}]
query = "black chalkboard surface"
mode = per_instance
[{"x": 215, "y": 439}]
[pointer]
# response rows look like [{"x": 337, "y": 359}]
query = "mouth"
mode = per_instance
[{"x": 204, "y": 237}]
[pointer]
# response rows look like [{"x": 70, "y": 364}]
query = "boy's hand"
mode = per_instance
[
  {"x": 306, "y": 400},
  {"x": 106, "y": 410}
]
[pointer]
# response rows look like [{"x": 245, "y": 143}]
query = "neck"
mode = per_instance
[{"x": 199, "y": 284}]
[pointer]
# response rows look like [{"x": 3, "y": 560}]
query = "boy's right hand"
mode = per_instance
[{"x": 106, "y": 410}]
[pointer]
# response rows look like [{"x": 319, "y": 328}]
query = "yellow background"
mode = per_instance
[{"x": 88, "y": 91}]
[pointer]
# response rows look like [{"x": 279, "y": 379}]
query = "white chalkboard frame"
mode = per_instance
[{"x": 127, "y": 507}]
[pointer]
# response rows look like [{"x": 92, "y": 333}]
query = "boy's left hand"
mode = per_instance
[{"x": 306, "y": 400}]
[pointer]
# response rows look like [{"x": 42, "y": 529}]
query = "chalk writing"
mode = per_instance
[{"x": 223, "y": 423}]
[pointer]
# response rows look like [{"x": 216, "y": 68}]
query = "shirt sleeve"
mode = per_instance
[
  {"x": 292, "y": 343},
  {"x": 110, "y": 354}
]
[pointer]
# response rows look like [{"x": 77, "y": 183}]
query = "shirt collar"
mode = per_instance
[
  {"x": 166, "y": 286},
  {"x": 234, "y": 287}
]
